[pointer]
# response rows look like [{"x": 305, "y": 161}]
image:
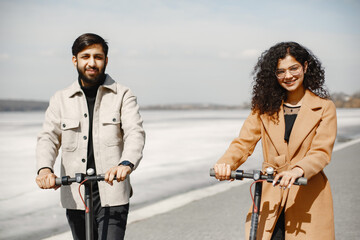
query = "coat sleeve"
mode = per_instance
[
  {"x": 244, "y": 145},
  {"x": 134, "y": 134},
  {"x": 319, "y": 154},
  {"x": 49, "y": 139}
]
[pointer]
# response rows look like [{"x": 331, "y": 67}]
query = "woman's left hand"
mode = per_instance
[{"x": 288, "y": 177}]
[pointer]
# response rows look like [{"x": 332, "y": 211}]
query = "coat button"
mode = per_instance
[
  {"x": 84, "y": 137},
  {"x": 83, "y": 160},
  {"x": 114, "y": 119},
  {"x": 85, "y": 115},
  {"x": 64, "y": 125}
]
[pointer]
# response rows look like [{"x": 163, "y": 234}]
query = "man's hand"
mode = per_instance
[
  {"x": 119, "y": 172},
  {"x": 46, "y": 179},
  {"x": 288, "y": 177}
]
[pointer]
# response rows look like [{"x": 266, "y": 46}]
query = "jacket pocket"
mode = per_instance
[
  {"x": 69, "y": 134},
  {"x": 111, "y": 132}
]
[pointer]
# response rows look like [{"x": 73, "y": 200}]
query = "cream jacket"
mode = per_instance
[{"x": 117, "y": 131}]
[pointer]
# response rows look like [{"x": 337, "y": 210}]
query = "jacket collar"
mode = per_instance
[
  {"x": 307, "y": 118},
  {"x": 75, "y": 87}
]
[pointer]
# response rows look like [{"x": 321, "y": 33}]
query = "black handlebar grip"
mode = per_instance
[
  {"x": 301, "y": 181},
  {"x": 232, "y": 175},
  {"x": 58, "y": 181},
  {"x": 212, "y": 172},
  {"x": 101, "y": 177}
]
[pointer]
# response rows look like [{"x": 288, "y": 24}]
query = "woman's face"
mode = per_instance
[{"x": 290, "y": 74}]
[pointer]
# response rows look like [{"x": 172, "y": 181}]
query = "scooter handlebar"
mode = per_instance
[
  {"x": 79, "y": 177},
  {"x": 58, "y": 181},
  {"x": 239, "y": 175}
]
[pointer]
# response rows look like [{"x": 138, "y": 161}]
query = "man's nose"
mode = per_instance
[{"x": 91, "y": 61}]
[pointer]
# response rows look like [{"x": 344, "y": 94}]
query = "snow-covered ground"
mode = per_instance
[{"x": 180, "y": 148}]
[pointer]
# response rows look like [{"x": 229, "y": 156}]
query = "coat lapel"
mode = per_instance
[
  {"x": 306, "y": 120},
  {"x": 276, "y": 131}
]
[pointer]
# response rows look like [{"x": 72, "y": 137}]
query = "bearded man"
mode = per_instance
[{"x": 96, "y": 123}]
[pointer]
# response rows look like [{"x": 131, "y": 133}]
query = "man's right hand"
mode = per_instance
[{"x": 46, "y": 179}]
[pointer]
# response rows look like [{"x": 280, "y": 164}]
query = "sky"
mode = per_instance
[{"x": 171, "y": 52}]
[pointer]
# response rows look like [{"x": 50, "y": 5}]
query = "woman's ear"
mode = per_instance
[{"x": 305, "y": 66}]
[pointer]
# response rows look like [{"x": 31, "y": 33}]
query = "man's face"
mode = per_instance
[{"x": 90, "y": 64}]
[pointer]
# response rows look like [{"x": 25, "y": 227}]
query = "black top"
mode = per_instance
[
  {"x": 290, "y": 114},
  {"x": 90, "y": 94}
]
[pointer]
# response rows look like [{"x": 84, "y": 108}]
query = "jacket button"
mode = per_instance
[
  {"x": 85, "y": 115},
  {"x": 114, "y": 119},
  {"x": 83, "y": 160},
  {"x": 64, "y": 125},
  {"x": 84, "y": 137}
]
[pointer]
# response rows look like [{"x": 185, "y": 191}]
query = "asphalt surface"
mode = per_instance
[{"x": 222, "y": 215}]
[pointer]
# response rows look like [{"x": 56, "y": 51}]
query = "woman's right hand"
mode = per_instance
[{"x": 222, "y": 171}]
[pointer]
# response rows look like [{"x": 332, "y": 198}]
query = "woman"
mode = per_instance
[{"x": 296, "y": 122}]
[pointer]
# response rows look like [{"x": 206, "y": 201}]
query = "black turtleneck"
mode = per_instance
[{"x": 90, "y": 94}]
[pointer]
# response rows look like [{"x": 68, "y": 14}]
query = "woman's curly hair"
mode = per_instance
[{"x": 267, "y": 94}]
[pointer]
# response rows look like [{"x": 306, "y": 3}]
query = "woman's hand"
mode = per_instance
[
  {"x": 288, "y": 177},
  {"x": 222, "y": 171}
]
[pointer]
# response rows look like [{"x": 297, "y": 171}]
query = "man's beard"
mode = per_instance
[{"x": 94, "y": 80}]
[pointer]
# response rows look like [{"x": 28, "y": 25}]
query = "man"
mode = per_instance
[{"x": 97, "y": 124}]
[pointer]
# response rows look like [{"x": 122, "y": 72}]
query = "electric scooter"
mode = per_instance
[
  {"x": 258, "y": 178},
  {"x": 86, "y": 180}
]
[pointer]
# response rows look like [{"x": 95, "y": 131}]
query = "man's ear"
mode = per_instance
[
  {"x": 74, "y": 60},
  {"x": 106, "y": 61}
]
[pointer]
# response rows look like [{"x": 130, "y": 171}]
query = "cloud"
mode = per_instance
[
  {"x": 236, "y": 54},
  {"x": 48, "y": 53},
  {"x": 251, "y": 53},
  {"x": 4, "y": 56}
]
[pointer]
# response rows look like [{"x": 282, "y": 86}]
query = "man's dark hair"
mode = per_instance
[{"x": 86, "y": 40}]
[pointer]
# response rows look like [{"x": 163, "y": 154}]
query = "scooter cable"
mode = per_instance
[
  {"x": 252, "y": 197},
  {"x": 86, "y": 208}
]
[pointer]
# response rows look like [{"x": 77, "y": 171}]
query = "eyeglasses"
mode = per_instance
[{"x": 293, "y": 70}]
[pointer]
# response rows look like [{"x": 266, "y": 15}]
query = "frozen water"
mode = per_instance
[{"x": 180, "y": 148}]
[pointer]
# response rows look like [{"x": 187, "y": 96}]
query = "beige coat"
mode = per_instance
[
  {"x": 308, "y": 209},
  {"x": 117, "y": 135}
]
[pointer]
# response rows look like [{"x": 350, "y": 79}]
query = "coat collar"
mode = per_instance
[
  {"x": 307, "y": 118},
  {"x": 75, "y": 87},
  {"x": 275, "y": 129}
]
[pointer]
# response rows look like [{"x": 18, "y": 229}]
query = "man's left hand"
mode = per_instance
[{"x": 118, "y": 172}]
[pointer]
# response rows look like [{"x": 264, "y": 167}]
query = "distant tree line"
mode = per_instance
[
  {"x": 341, "y": 100},
  {"x": 22, "y": 105}
]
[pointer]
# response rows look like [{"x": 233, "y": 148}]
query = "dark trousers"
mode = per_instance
[
  {"x": 109, "y": 222},
  {"x": 279, "y": 231}
]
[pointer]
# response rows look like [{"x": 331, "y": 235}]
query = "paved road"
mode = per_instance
[{"x": 222, "y": 216}]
